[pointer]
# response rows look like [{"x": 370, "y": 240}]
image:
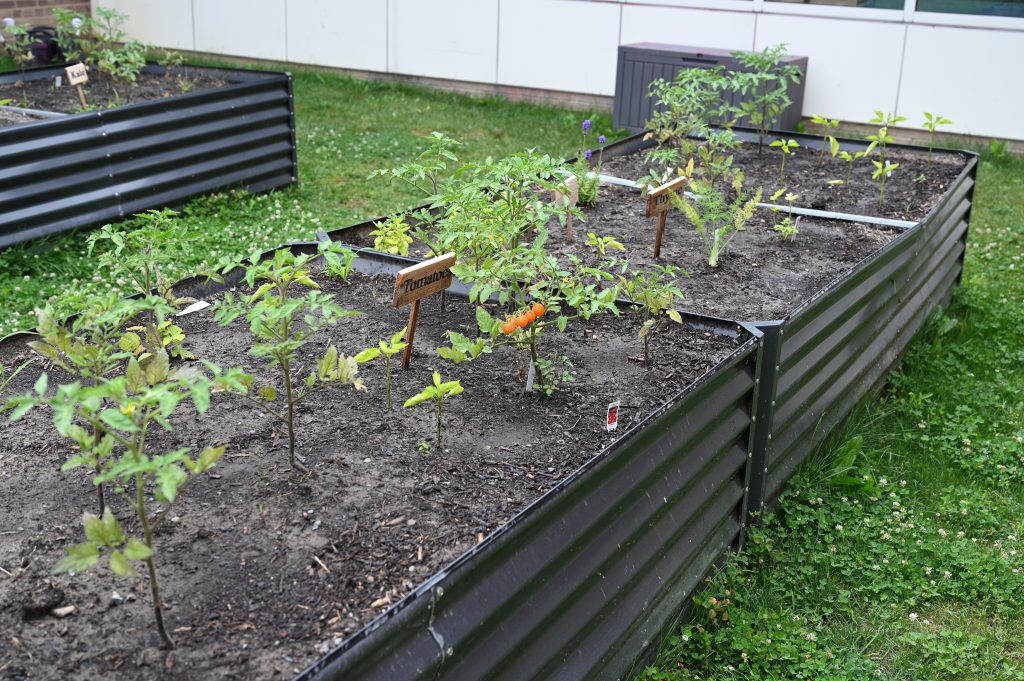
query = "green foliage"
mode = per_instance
[
  {"x": 125, "y": 62},
  {"x": 788, "y": 228},
  {"x": 438, "y": 393},
  {"x": 853, "y": 158},
  {"x": 283, "y": 323},
  {"x": 587, "y": 177},
  {"x": 7, "y": 375},
  {"x": 392, "y": 235},
  {"x": 882, "y": 138},
  {"x": 931, "y": 122},
  {"x": 828, "y": 129},
  {"x": 786, "y": 147},
  {"x": 716, "y": 218},
  {"x": 425, "y": 173},
  {"x": 881, "y": 173},
  {"x": 652, "y": 293},
  {"x": 387, "y": 351},
  {"x": 762, "y": 84},
  {"x": 338, "y": 260},
  {"x": 18, "y": 46}
]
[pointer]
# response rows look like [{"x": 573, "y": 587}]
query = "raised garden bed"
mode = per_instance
[
  {"x": 88, "y": 168},
  {"x": 486, "y": 553}
]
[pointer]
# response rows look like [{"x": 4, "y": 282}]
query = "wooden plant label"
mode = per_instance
[
  {"x": 573, "y": 185},
  {"x": 417, "y": 282},
  {"x": 78, "y": 74},
  {"x": 658, "y": 203}
]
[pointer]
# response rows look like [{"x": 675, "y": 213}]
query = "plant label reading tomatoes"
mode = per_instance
[
  {"x": 420, "y": 281},
  {"x": 424, "y": 279},
  {"x": 77, "y": 74},
  {"x": 612, "y": 420}
]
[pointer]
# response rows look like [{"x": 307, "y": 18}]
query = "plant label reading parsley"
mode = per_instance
[
  {"x": 573, "y": 186},
  {"x": 417, "y": 282},
  {"x": 612, "y": 419},
  {"x": 658, "y": 203}
]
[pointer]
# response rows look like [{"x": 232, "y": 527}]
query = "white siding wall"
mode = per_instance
[{"x": 860, "y": 60}]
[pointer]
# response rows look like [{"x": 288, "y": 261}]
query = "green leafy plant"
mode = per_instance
[
  {"x": 438, "y": 393},
  {"x": 283, "y": 324},
  {"x": 828, "y": 129},
  {"x": 881, "y": 173},
  {"x": 882, "y": 138},
  {"x": 788, "y": 228},
  {"x": 931, "y": 122},
  {"x": 392, "y": 235},
  {"x": 853, "y": 158},
  {"x": 716, "y": 218},
  {"x": 588, "y": 178},
  {"x": 387, "y": 351},
  {"x": 603, "y": 244},
  {"x": 170, "y": 60},
  {"x": 7, "y": 375},
  {"x": 18, "y": 43},
  {"x": 652, "y": 293},
  {"x": 763, "y": 83},
  {"x": 119, "y": 413},
  {"x": 338, "y": 260},
  {"x": 425, "y": 173},
  {"x": 123, "y": 63},
  {"x": 786, "y": 147},
  {"x": 714, "y": 160}
]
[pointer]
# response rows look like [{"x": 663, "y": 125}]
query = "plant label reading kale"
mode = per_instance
[
  {"x": 420, "y": 281},
  {"x": 612, "y": 420},
  {"x": 658, "y": 203},
  {"x": 77, "y": 74},
  {"x": 424, "y": 279}
]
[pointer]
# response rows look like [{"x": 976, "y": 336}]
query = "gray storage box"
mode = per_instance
[{"x": 642, "y": 63}]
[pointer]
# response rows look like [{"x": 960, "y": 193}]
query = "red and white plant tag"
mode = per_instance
[{"x": 612, "y": 420}]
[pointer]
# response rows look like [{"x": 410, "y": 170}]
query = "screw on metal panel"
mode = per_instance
[
  {"x": 757, "y": 381},
  {"x": 769, "y": 436},
  {"x": 750, "y": 455},
  {"x": 776, "y": 367},
  {"x": 766, "y": 469},
  {"x": 747, "y": 488},
  {"x": 773, "y": 403}
]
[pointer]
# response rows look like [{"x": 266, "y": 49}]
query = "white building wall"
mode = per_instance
[{"x": 960, "y": 67}]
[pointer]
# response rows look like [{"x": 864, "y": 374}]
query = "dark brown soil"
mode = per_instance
[
  {"x": 759, "y": 277},
  {"x": 910, "y": 191},
  {"x": 102, "y": 92},
  {"x": 263, "y": 570}
]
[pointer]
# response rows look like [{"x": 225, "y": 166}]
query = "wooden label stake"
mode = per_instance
[
  {"x": 417, "y": 282},
  {"x": 573, "y": 185},
  {"x": 659, "y": 204},
  {"x": 78, "y": 74}
]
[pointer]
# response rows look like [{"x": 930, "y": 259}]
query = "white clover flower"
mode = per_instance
[
  {"x": 913, "y": 617},
  {"x": 947, "y": 574},
  {"x": 927, "y": 570},
  {"x": 943, "y": 533},
  {"x": 883, "y": 482},
  {"x": 903, "y": 483},
  {"x": 839, "y": 528}
]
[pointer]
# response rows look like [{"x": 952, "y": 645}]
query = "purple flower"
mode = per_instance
[
  {"x": 602, "y": 139},
  {"x": 586, "y": 124},
  {"x": 588, "y": 154}
]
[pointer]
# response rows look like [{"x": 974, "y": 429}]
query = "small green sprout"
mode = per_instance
[
  {"x": 881, "y": 173},
  {"x": 853, "y": 158},
  {"x": 930, "y": 124},
  {"x": 882, "y": 138},
  {"x": 828, "y": 128},
  {"x": 716, "y": 219},
  {"x": 787, "y": 229},
  {"x": 387, "y": 351},
  {"x": 604, "y": 243},
  {"x": 438, "y": 392},
  {"x": 787, "y": 147},
  {"x": 652, "y": 294}
]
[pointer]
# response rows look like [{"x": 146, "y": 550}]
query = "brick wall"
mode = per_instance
[{"x": 31, "y": 13}]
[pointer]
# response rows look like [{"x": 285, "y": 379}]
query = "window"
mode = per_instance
[
  {"x": 873, "y": 4},
  {"x": 989, "y": 8}
]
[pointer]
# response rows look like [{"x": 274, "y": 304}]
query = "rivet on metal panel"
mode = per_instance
[
  {"x": 769, "y": 436},
  {"x": 103, "y": 134},
  {"x": 766, "y": 469},
  {"x": 776, "y": 367},
  {"x": 747, "y": 488},
  {"x": 773, "y": 403},
  {"x": 782, "y": 331},
  {"x": 757, "y": 381},
  {"x": 750, "y": 455}
]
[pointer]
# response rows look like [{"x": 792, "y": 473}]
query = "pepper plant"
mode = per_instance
[
  {"x": 438, "y": 393},
  {"x": 283, "y": 323},
  {"x": 111, "y": 420},
  {"x": 931, "y": 122},
  {"x": 387, "y": 351},
  {"x": 881, "y": 173},
  {"x": 652, "y": 293},
  {"x": 786, "y": 147},
  {"x": 853, "y": 158},
  {"x": 716, "y": 218},
  {"x": 882, "y": 138},
  {"x": 828, "y": 128},
  {"x": 763, "y": 84}
]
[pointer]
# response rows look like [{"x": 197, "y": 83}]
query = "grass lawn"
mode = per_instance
[
  {"x": 346, "y": 129},
  {"x": 898, "y": 552}
]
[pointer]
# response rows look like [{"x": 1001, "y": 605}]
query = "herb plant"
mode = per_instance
[
  {"x": 930, "y": 124},
  {"x": 652, "y": 294},
  {"x": 788, "y": 228},
  {"x": 786, "y": 147},
  {"x": 284, "y": 323},
  {"x": 828, "y": 129},
  {"x": 589, "y": 179},
  {"x": 438, "y": 393},
  {"x": 392, "y": 235},
  {"x": 763, "y": 86},
  {"x": 716, "y": 218},
  {"x": 387, "y": 351}
]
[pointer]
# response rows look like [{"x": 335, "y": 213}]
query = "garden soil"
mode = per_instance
[{"x": 264, "y": 570}]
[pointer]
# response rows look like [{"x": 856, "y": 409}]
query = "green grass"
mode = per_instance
[
  {"x": 346, "y": 128},
  {"x": 915, "y": 571}
]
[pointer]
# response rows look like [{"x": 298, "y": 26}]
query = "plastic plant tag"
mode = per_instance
[
  {"x": 612, "y": 420},
  {"x": 194, "y": 307}
]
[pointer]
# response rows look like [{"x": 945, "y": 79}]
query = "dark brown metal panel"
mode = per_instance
[
  {"x": 90, "y": 168},
  {"x": 608, "y": 556}
]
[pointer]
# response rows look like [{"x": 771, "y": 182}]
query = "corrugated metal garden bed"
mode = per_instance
[{"x": 93, "y": 167}]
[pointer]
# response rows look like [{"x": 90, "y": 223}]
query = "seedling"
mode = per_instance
[
  {"x": 652, "y": 293},
  {"x": 787, "y": 229},
  {"x": 387, "y": 351},
  {"x": 766, "y": 80},
  {"x": 603, "y": 244},
  {"x": 392, "y": 235},
  {"x": 853, "y": 158},
  {"x": 438, "y": 392},
  {"x": 8, "y": 375},
  {"x": 18, "y": 42},
  {"x": 930, "y": 124},
  {"x": 882, "y": 138},
  {"x": 338, "y": 260},
  {"x": 716, "y": 219},
  {"x": 284, "y": 324},
  {"x": 425, "y": 173},
  {"x": 828, "y": 128},
  {"x": 881, "y": 173},
  {"x": 786, "y": 147},
  {"x": 120, "y": 413}
]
